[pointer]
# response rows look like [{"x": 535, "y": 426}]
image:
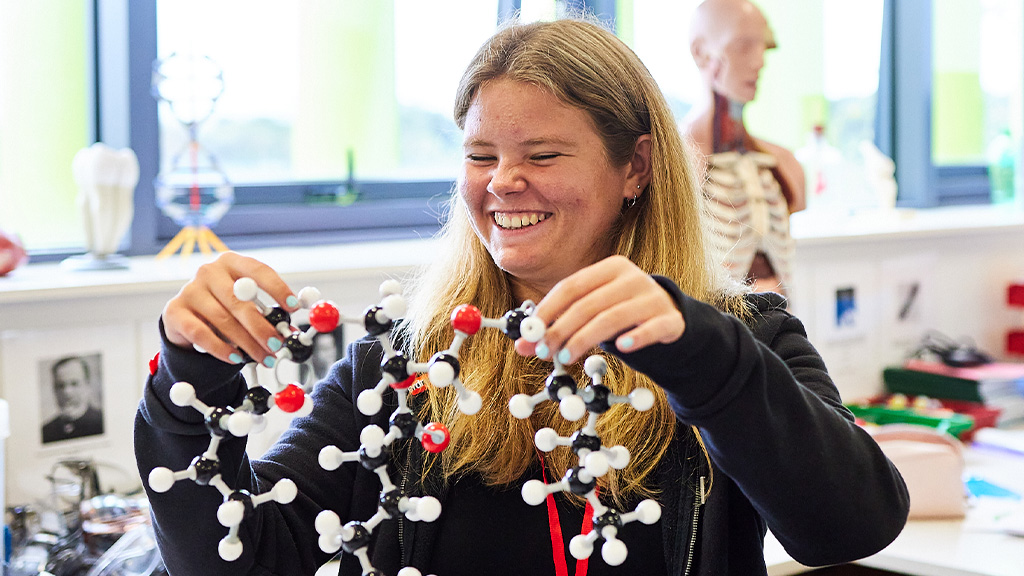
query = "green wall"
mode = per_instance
[
  {"x": 790, "y": 93},
  {"x": 43, "y": 120}
]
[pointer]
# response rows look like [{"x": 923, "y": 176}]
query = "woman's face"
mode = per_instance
[{"x": 541, "y": 191}]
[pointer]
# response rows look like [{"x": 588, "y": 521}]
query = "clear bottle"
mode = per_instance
[
  {"x": 1001, "y": 155},
  {"x": 820, "y": 161}
]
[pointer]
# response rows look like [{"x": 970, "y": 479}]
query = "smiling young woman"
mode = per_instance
[{"x": 576, "y": 192}]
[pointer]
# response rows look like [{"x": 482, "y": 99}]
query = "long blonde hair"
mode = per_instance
[{"x": 587, "y": 67}]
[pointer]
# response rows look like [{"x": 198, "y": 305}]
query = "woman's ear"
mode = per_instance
[{"x": 639, "y": 175}]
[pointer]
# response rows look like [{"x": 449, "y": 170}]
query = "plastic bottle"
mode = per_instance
[
  {"x": 820, "y": 161},
  {"x": 1001, "y": 156}
]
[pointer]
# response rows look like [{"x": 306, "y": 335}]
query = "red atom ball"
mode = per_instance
[
  {"x": 428, "y": 441},
  {"x": 290, "y": 399},
  {"x": 466, "y": 318},
  {"x": 405, "y": 383},
  {"x": 324, "y": 316}
]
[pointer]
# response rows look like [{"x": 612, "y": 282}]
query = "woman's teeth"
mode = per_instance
[{"x": 517, "y": 220}]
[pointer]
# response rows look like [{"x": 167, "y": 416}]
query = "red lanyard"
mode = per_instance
[{"x": 557, "y": 545}]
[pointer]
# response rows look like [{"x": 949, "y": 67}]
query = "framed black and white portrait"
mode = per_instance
[
  {"x": 328, "y": 348},
  {"x": 71, "y": 397},
  {"x": 72, "y": 393}
]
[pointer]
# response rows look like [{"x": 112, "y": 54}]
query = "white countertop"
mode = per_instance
[
  {"x": 816, "y": 227},
  {"x": 967, "y": 547},
  {"x": 810, "y": 228},
  {"x": 145, "y": 274}
]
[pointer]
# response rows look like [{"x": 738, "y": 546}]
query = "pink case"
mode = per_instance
[{"x": 932, "y": 465}]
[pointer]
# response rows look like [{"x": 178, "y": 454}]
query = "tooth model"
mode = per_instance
[{"x": 106, "y": 180}]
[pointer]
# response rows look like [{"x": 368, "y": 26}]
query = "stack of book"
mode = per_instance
[{"x": 998, "y": 385}]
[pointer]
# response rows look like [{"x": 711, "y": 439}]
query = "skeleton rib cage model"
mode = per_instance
[
  {"x": 751, "y": 215},
  {"x": 376, "y": 445},
  {"x": 750, "y": 203}
]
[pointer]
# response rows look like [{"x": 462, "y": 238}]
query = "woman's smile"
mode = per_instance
[{"x": 515, "y": 221}]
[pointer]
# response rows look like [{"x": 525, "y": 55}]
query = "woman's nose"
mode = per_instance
[{"x": 506, "y": 178}]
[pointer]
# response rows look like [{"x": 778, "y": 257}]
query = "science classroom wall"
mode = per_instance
[
  {"x": 865, "y": 301},
  {"x": 122, "y": 330}
]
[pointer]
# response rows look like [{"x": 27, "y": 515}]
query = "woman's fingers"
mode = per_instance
[
  {"x": 208, "y": 314},
  {"x": 660, "y": 329},
  {"x": 186, "y": 326},
  {"x": 573, "y": 288},
  {"x": 612, "y": 299},
  {"x": 525, "y": 348},
  {"x": 635, "y": 322},
  {"x": 594, "y": 317},
  {"x": 266, "y": 278},
  {"x": 241, "y": 321}
]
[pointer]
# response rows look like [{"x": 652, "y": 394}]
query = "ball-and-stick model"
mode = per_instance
[
  {"x": 249, "y": 416},
  {"x": 398, "y": 373},
  {"x": 594, "y": 460},
  {"x": 443, "y": 367},
  {"x": 205, "y": 469},
  {"x": 324, "y": 317}
]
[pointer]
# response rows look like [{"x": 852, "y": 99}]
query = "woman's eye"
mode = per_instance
[
  {"x": 479, "y": 158},
  {"x": 547, "y": 156}
]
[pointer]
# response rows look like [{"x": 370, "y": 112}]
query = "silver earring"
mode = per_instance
[{"x": 632, "y": 201}]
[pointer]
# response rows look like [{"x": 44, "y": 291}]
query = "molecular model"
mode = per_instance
[
  {"x": 205, "y": 468},
  {"x": 398, "y": 373},
  {"x": 250, "y": 415},
  {"x": 594, "y": 459}
]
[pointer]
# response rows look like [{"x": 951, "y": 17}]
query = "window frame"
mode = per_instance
[
  {"x": 126, "y": 115},
  {"x": 264, "y": 214},
  {"x": 903, "y": 123}
]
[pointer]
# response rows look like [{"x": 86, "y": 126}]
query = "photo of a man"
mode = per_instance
[
  {"x": 328, "y": 348},
  {"x": 77, "y": 398}
]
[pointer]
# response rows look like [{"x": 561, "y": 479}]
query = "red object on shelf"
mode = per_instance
[
  {"x": 1015, "y": 342},
  {"x": 984, "y": 417},
  {"x": 1015, "y": 338},
  {"x": 12, "y": 253},
  {"x": 984, "y": 372},
  {"x": 1015, "y": 294}
]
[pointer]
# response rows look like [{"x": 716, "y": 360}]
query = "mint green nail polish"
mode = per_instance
[
  {"x": 542, "y": 351},
  {"x": 269, "y": 361},
  {"x": 292, "y": 301},
  {"x": 564, "y": 356},
  {"x": 274, "y": 344},
  {"x": 235, "y": 358},
  {"x": 626, "y": 343}
]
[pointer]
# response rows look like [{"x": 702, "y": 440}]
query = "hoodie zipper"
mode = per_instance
[
  {"x": 401, "y": 517},
  {"x": 698, "y": 501}
]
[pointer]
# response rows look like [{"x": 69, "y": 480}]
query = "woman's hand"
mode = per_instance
[
  {"x": 612, "y": 299},
  {"x": 206, "y": 313}
]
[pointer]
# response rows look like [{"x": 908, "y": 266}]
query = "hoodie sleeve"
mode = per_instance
[{"x": 774, "y": 423}]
